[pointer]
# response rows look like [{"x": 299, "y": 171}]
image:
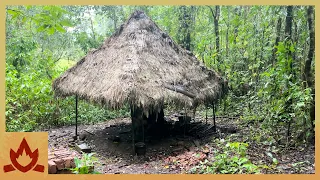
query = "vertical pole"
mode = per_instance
[
  {"x": 194, "y": 114},
  {"x": 214, "y": 117},
  {"x": 143, "y": 131},
  {"x": 185, "y": 121},
  {"x": 206, "y": 114},
  {"x": 76, "y": 115},
  {"x": 132, "y": 128}
]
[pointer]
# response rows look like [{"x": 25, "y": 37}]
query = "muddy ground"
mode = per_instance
[{"x": 117, "y": 157}]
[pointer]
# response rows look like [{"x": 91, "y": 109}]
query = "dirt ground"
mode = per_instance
[{"x": 117, "y": 157}]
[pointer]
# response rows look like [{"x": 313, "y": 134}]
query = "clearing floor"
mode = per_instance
[{"x": 176, "y": 144}]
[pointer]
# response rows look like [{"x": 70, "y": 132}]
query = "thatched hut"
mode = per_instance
[{"x": 142, "y": 66}]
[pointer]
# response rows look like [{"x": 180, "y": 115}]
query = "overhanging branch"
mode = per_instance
[{"x": 180, "y": 90}]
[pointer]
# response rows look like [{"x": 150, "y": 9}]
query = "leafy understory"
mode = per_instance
[
  {"x": 85, "y": 165},
  {"x": 229, "y": 158}
]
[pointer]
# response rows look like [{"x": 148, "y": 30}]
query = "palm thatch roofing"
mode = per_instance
[{"x": 141, "y": 65}]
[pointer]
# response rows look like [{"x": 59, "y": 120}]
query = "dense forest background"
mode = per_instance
[{"x": 265, "y": 52}]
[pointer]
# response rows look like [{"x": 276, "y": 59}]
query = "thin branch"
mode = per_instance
[{"x": 214, "y": 16}]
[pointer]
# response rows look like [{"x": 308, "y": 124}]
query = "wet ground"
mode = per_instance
[{"x": 116, "y": 157}]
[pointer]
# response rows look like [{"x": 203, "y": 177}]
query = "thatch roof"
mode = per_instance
[{"x": 141, "y": 65}]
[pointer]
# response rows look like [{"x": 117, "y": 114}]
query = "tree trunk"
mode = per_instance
[
  {"x": 216, "y": 30},
  {"x": 216, "y": 16},
  {"x": 277, "y": 41},
  {"x": 184, "y": 33},
  {"x": 275, "y": 49},
  {"x": 288, "y": 42},
  {"x": 308, "y": 77},
  {"x": 227, "y": 33},
  {"x": 296, "y": 40},
  {"x": 238, "y": 13}
]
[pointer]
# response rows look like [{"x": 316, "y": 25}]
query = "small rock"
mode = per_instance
[
  {"x": 61, "y": 153},
  {"x": 69, "y": 162},
  {"x": 83, "y": 148},
  {"x": 51, "y": 157},
  {"x": 52, "y": 167},
  {"x": 59, "y": 163}
]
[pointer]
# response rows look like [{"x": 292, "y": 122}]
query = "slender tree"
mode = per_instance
[
  {"x": 216, "y": 15},
  {"x": 288, "y": 43},
  {"x": 186, "y": 21},
  {"x": 308, "y": 71},
  {"x": 279, "y": 22}
]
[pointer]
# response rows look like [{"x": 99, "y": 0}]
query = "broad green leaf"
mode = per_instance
[
  {"x": 12, "y": 12},
  {"x": 292, "y": 48},
  {"x": 51, "y": 31},
  {"x": 59, "y": 28},
  {"x": 40, "y": 29},
  {"x": 66, "y": 23}
]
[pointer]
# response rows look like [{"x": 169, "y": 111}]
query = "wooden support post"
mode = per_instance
[
  {"x": 214, "y": 117},
  {"x": 76, "y": 115},
  {"x": 206, "y": 114},
  {"x": 185, "y": 121},
  {"x": 132, "y": 127},
  {"x": 143, "y": 131},
  {"x": 194, "y": 114}
]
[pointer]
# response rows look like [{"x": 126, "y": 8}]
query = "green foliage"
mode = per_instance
[
  {"x": 231, "y": 159},
  {"x": 87, "y": 42},
  {"x": 30, "y": 103},
  {"x": 265, "y": 81},
  {"x": 33, "y": 61},
  {"x": 85, "y": 165},
  {"x": 278, "y": 90},
  {"x": 48, "y": 19}
]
